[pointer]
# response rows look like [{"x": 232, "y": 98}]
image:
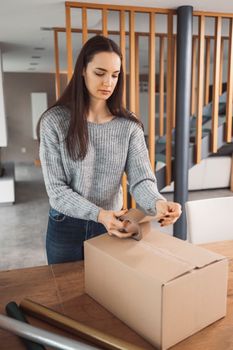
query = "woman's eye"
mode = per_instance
[{"x": 102, "y": 74}]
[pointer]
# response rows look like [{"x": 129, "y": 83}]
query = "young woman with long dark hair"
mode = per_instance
[{"x": 87, "y": 141}]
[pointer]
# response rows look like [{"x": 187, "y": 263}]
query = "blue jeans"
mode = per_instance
[{"x": 65, "y": 237}]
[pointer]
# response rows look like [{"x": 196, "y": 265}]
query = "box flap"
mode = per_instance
[
  {"x": 196, "y": 256},
  {"x": 158, "y": 255},
  {"x": 141, "y": 258}
]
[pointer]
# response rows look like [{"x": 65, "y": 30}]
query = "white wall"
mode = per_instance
[
  {"x": 39, "y": 104},
  {"x": 18, "y": 87}
]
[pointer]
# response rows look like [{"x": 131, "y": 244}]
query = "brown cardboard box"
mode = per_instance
[{"x": 162, "y": 287}]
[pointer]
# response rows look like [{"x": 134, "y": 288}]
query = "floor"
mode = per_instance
[{"x": 23, "y": 225}]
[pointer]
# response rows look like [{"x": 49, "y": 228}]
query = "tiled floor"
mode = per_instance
[{"x": 23, "y": 225}]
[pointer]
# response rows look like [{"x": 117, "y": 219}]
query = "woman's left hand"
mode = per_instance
[{"x": 167, "y": 212}]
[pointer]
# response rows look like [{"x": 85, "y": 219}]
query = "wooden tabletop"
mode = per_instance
[{"x": 61, "y": 287}]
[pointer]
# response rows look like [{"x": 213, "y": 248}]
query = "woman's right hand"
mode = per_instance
[{"x": 108, "y": 218}]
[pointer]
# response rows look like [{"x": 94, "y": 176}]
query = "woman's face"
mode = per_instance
[{"x": 101, "y": 74}]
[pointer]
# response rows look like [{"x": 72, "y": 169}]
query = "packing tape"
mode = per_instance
[{"x": 132, "y": 222}]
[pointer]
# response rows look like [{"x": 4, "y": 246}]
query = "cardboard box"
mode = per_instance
[{"x": 162, "y": 287}]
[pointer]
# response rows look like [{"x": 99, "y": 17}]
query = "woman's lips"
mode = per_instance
[{"x": 105, "y": 91}]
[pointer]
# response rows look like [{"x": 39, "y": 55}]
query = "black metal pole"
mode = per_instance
[{"x": 183, "y": 95}]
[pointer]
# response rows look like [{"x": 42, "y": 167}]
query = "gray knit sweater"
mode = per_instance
[{"x": 80, "y": 188}]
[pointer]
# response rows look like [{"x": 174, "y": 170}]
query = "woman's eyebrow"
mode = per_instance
[{"x": 104, "y": 70}]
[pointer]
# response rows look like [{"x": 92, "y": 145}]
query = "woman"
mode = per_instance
[{"x": 87, "y": 141}]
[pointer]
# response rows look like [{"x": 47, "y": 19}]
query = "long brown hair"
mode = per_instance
[{"x": 76, "y": 97}]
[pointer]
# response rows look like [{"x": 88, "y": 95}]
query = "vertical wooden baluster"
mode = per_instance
[
  {"x": 132, "y": 62},
  {"x": 161, "y": 86},
  {"x": 200, "y": 87},
  {"x": 174, "y": 83},
  {"x": 207, "y": 71},
  {"x": 231, "y": 184},
  {"x": 84, "y": 25},
  {"x": 151, "y": 91},
  {"x": 69, "y": 44},
  {"x": 57, "y": 68},
  {"x": 217, "y": 53},
  {"x": 122, "y": 46},
  {"x": 105, "y": 22},
  {"x": 194, "y": 69},
  {"x": 229, "y": 86},
  {"x": 221, "y": 66},
  {"x": 169, "y": 100},
  {"x": 137, "y": 94},
  {"x": 132, "y": 100}
]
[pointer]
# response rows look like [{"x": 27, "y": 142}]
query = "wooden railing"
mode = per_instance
[
  {"x": 201, "y": 68},
  {"x": 201, "y": 72},
  {"x": 133, "y": 75}
]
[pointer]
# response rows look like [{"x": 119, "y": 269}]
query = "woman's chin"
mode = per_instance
[{"x": 102, "y": 97}]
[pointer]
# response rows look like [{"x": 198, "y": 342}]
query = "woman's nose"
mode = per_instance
[{"x": 107, "y": 81}]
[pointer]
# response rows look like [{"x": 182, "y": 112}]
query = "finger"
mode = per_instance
[
  {"x": 121, "y": 235},
  {"x": 119, "y": 213},
  {"x": 169, "y": 219},
  {"x": 161, "y": 215},
  {"x": 174, "y": 207},
  {"x": 168, "y": 222},
  {"x": 172, "y": 215},
  {"x": 117, "y": 224},
  {"x": 166, "y": 218}
]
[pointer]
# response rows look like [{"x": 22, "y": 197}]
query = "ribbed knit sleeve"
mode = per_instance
[
  {"x": 142, "y": 181},
  {"x": 61, "y": 196}
]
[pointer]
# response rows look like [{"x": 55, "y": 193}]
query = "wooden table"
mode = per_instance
[{"x": 61, "y": 287}]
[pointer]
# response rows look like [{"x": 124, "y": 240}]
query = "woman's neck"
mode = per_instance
[{"x": 99, "y": 112}]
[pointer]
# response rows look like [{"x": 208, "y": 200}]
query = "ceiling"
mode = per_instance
[{"x": 22, "y": 36}]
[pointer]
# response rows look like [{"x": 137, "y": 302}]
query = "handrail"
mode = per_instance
[{"x": 119, "y": 7}]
